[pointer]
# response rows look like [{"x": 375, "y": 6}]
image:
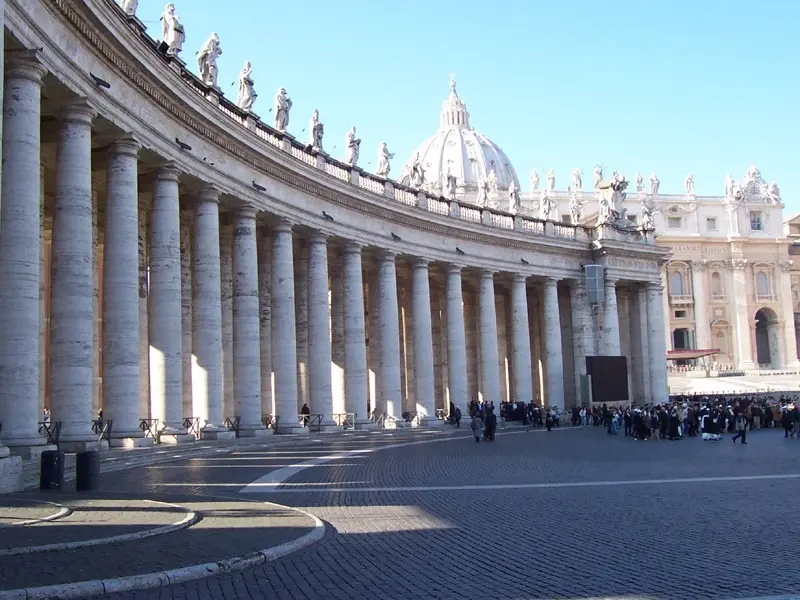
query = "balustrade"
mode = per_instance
[
  {"x": 366, "y": 182},
  {"x": 405, "y": 196},
  {"x": 440, "y": 207},
  {"x": 469, "y": 213},
  {"x": 502, "y": 221},
  {"x": 338, "y": 171},
  {"x": 304, "y": 156},
  {"x": 530, "y": 225}
]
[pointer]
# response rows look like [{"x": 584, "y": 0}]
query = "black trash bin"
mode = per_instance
[
  {"x": 51, "y": 476},
  {"x": 87, "y": 471}
]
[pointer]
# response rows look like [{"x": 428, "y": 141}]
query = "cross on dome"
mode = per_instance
[{"x": 454, "y": 110}]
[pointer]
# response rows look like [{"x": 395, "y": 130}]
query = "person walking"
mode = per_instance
[
  {"x": 741, "y": 429},
  {"x": 477, "y": 426}
]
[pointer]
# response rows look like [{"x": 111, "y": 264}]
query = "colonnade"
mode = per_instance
[{"x": 212, "y": 309}]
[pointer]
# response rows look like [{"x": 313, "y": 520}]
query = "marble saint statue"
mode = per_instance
[
  {"x": 646, "y": 220},
  {"x": 546, "y": 206},
  {"x": 352, "y": 147},
  {"x": 172, "y": 33},
  {"x": 450, "y": 185},
  {"x": 728, "y": 186},
  {"x": 597, "y": 176},
  {"x": 551, "y": 180},
  {"x": 130, "y": 6},
  {"x": 483, "y": 192},
  {"x": 315, "y": 131},
  {"x": 207, "y": 60},
  {"x": 534, "y": 180},
  {"x": 575, "y": 209},
  {"x": 492, "y": 178},
  {"x": 384, "y": 156},
  {"x": 247, "y": 93},
  {"x": 639, "y": 182},
  {"x": 654, "y": 183},
  {"x": 417, "y": 174},
  {"x": 513, "y": 198},
  {"x": 689, "y": 183},
  {"x": 753, "y": 173},
  {"x": 577, "y": 179},
  {"x": 605, "y": 213},
  {"x": 774, "y": 193},
  {"x": 283, "y": 104}
]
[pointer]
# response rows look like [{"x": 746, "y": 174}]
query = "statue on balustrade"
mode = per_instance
[
  {"x": 417, "y": 173},
  {"x": 611, "y": 198},
  {"x": 577, "y": 179},
  {"x": 639, "y": 182},
  {"x": 597, "y": 176},
  {"x": 315, "y": 131},
  {"x": 483, "y": 192},
  {"x": 384, "y": 156},
  {"x": 551, "y": 180},
  {"x": 130, "y": 6},
  {"x": 534, "y": 180},
  {"x": 646, "y": 220},
  {"x": 172, "y": 33},
  {"x": 207, "y": 60},
  {"x": 689, "y": 183},
  {"x": 352, "y": 146},
  {"x": 492, "y": 179},
  {"x": 247, "y": 93},
  {"x": 575, "y": 209},
  {"x": 728, "y": 186},
  {"x": 513, "y": 198},
  {"x": 774, "y": 193},
  {"x": 547, "y": 206},
  {"x": 450, "y": 185},
  {"x": 654, "y": 183},
  {"x": 283, "y": 104}
]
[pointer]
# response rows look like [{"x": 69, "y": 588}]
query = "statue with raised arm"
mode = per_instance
[
  {"x": 551, "y": 180},
  {"x": 597, "y": 176},
  {"x": 774, "y": 193},
  {"x": 492, "y": 179},
  {"x": 247, "y": 93},
  {"x": 654, "y": 183},
  {"x": 172, "y": 33},
  {"x": 483, "y": 192},
  {"x": 384, "y": 156},
  {"x": 352, "y": 146},
  {"x": 450, "y": 185},
  {"x": 130, "y": 6},
  {"x": 689, "y": 183},
  {"x": 283, "y": 104},
  {"x": 417, "y": 173},
  {"x": 513, "y": 198},
  {"x": 577, "y": 179},
  {"x": 639, "y": 182},
  {"x": 207, "y": 60},
  {"x": 534, "y": 180},
  {"x": 646, "y": 220},
  {"x": 315, "y": 131},
  {"x": 575, "y": 209},
  {"x": 546, "y": 205}
]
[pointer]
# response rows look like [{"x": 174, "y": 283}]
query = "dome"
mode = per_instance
[{"x": 469, "y": 155}]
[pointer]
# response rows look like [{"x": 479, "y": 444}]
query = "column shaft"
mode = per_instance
[
  {"x": 355, "y": 349},
  {"x": 489, "y": 354},
  {"x": 456, "y": 342},
  {"x": 337, "y": 336},
  {"x": 521, "y": 341},
  {"x": 553, "y": 360},
  {"x": 144, "y": 327},
  {"x": 656, "y": 345},
  {"x": 390, "y": 395},
  {"x": 301, "y": 320},
  {"x": 320, "y": 385},
  {"x": 187, "y": 406},
  {"x": 265, "y": 319},
  {"x": 423, "y": 342},
  {"x": 581, "y": 335},
  {"x": 611, "y": 344},
  {"x": 226, "y": 307},
  {"x": 744, "y": 321},
  {"x": 702, "y": 322}
]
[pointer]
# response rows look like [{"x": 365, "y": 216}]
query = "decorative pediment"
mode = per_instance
[
  {"x": 677, "y": 210},
  {"x": 753, "y": 189}
]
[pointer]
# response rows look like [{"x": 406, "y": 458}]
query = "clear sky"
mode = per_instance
[{"x": 672, "y": 86}]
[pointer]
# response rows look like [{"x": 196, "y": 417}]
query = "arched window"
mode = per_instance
[
  {"x": 722, "y": 341},
  {"x": 676, "y": 284},
  {"x": 717, "y": 291},
  {"x": 762, "y": 284}
]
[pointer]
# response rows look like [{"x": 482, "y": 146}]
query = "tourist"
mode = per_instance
[
  {"x": 476, "y": 426},
  {"x": 741, "y": 429}
]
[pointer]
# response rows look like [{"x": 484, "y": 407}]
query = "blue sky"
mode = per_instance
[{"x": 678, "y": 86}]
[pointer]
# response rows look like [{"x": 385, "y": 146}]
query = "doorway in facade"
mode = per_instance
[{"x": 767, "y": 339}]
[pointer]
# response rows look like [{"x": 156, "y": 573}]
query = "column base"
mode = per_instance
[
  {"x": 10, "y": 474},
  {"x": 252, "y": 431},
  {"x": 82, "y": 446},
  {"x": 171, "y": 435},
  {"x": 366, "y": 425},
  {"x": 747, "y": 365},
  {"x": 330, "y": 427},
  {"x": 293, "y": 430},
  {"x": 131, "y": 442},
  {"x": 214, "y": 432},
  {"x": 33, "y": 453},
  {"x": 431, "y": 422}
]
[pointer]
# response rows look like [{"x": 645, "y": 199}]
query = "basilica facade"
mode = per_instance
[{"x": 174, "y": 263}]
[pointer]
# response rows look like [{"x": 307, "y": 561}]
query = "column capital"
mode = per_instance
[
  {"x": 550, "y": 281},
  {"x": 78, "y": 111},
  {"x": 454, "y": 269},
  {"x": 387, "y": 255},
  {"x": 283, "y": 226},
  {"x": 318, "y": 237},
  {"x": 352, "y": 247},
  {"x": 520, "y": 278},
  {"x": 487, "y": 274},
  {"x": 419, "y": 263},
  {"x": 125, "y": 145},
  {"x": 209, "y": 193},
  {"x": 610, "y": 282},
  {"x": 654, "y": 287},
  {"x": 168, "y": 172},
  {"x": 26, "y": 64},
  {"x": 245, "y": 211}
]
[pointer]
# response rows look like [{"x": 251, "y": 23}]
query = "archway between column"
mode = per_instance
[{"x": 767, "y": 339}]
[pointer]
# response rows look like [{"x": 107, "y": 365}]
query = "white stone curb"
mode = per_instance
[
  {"x": 97, "y": 587},
  {"x": 190, "y": 519},
  {"x": 63, "y": 512}
]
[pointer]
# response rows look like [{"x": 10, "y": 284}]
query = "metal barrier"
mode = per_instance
[
  {"x": 102, "y": 429},
  {"x": 270, "y": 422},
  {"x": 232, "y": 423},
  {"x": 346, "y": 421},
  {"x": 149, "y": 427},
  {"x": 50, "y": 430},
  {"x": 192, "y": 425},
  {"x": 312, "y": 421}
]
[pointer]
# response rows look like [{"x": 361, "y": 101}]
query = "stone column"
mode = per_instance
[
  {"x": 207, "y": 366},
  {"x": 423, "y": 342},
  {"x": 374, "y": 344},
  {"x": 787, "y": 317},
  {"x": 284, "y": 347},
  {"x": 553, "y": 355},
  {"x": 490, "y": 374},
  {"x": 640, "y": 355},
  {"x": 611, "y": 345},
  {"x": 657, "y": 348},
  {"x": 744, "y": 321},
  {"x": 246, "y": 335},
  {"x": 624, "y": 311},
  {"x": 121, "y": 298},
  {"x": 96, "y": 310},
  {"x": 20, "y": 249},
  {"x": 390, "y": 393},
  {"x": 337, "y": 336},
  {"x": 187, "y": 408},
  {"x": 265, "y": 320},
  {"x": 456, "y": 342},
  {"x": 521, "y": 341},
  {"x": 355, "y": 349},
  {"x": 72, "y": 319},
  {"x": 226, "y": 307},
  {"x": 301, "y": 321},
  {"x": 320, "y": 384},
  {"x": 164, "y": 308},
  {"x": 144, "y": 327},
  {"x": 581, "y": 335},
  {"x": 702, "y": 322}
]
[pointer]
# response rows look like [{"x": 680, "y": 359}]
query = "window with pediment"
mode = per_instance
[
  {"x": 679, "y": 282},
  {"x": 717, "y": 286},
  {"x": 676, "y": 284},
  {"x": 762, "y": 276}
]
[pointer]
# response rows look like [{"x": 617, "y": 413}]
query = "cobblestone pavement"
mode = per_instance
[{"x": 721, "y": 532}]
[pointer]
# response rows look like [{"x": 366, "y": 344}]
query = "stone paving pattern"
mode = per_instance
[
  {"x": 15, "y": 510},
  {"x": 713, "y": 539}
]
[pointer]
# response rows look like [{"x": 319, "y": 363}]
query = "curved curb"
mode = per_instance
[
  {"x": 85, "y": 589},
  {"x": 190, "y": 519},
  {"x": 64, "y": 512}
]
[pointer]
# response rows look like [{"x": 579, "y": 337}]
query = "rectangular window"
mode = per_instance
[
  {"x": 711, "y": 223},
  {"x": 674, "y": 222},
  {"x": 680, "y": 314},
  {"x": 756, "y": 221}
]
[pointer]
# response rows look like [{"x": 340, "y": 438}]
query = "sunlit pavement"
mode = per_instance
[{"x": 567, "y": 514}]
